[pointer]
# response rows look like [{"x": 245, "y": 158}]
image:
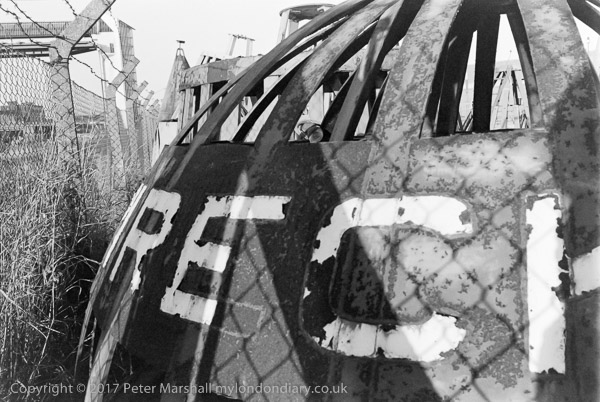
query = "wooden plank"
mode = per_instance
[{"x": 282, "y": 53}]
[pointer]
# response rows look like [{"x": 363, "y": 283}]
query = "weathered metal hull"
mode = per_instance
[{"x": 401, "y": 266}]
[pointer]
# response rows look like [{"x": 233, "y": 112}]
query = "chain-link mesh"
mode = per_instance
[
  {"x": 118, "y": 139},
  {"x": 30, "y": 116},
  {"x": 26, "y": 121},
  {"x": 414, "y": 261},
  {"x": 68, "y": 163}
]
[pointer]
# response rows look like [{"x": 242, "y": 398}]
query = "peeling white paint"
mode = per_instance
[
  {"x": 213, "y": 256},
  {"x": 442, "y": 214},
  {"x": 586, "y": 272},
  {"x": 126, "y": 217},
  {"x": 546, "y": 311},
  {"x": 356, "y": 339},
  {"x": 439, "y": 213},
  {"x": 343, "y": 218},
  {"x": 424, "y": 342},
  {"x": 161, "y": 201}
]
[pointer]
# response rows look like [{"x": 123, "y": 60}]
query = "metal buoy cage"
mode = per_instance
[{"x": 406, "y": 251}]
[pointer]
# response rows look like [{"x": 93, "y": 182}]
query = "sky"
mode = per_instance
[{"x": 204, "y": 25}]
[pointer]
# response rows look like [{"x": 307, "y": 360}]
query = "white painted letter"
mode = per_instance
[
  {"x": 425, "y": 342},
  {"x": 213, "y": 256},
  {"x": 160, "y": 201},
  {"x": 546, "y": 311}
]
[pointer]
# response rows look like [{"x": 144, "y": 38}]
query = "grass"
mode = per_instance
[{"x": 54, "y": 227}]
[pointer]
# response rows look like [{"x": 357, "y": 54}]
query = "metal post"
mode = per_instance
[
  {"x": 60, "y": 52},
  {"x": 122, "y": 145}
]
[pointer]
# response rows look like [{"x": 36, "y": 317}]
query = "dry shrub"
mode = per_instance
[{"x": 54, "y": 227}]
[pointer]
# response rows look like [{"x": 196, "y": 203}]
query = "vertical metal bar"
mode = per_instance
[
  {"x": 197, "y": 103},
  {"x": 456, "y": 68},
  {"x": 522, "y": 43},
  {"x": 391, "y": 27},
  {"x": 283, "y": 26},
  {"x": 375, "y": 108},
  {"x": 433, "y": 103},
  {"x": 249, "y": 44},
  {"x": 332, "y": 114},
  {"x": 485, "y": 62}
]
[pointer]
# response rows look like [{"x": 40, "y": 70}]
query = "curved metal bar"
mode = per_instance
[
  {"x": 264, "y": 102},
  {"x": 455, "y": 69},
  {"x": 571, "y": 106},
  {"x": 375, "y": 108},
  {"x": 293, "y": 101},
  {"x": 214, "y": 100},
  {"x": 586, "y": 13},
  {"x": 533, "y": 98},
  {"x": 391, "y": 27},
  {"x": 332, "y": 114},
  {"x": 404, "y": 102},
  {"x": 485, "y": 62},
  {"x": 263, "y": 67}
]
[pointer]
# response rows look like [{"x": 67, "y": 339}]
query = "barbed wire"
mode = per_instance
[
  {"x": 71, "y": 7},
  {"x": 58, "y": 36},
  {"x": 33, "y": 21}
]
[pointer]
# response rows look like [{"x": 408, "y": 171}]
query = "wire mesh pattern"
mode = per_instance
[
  {"x": 420, "y": 259},
  {"x": 31, "y": 117},
  {"x": 64, "y": 181},
  {"x": 26, "y": 120}
]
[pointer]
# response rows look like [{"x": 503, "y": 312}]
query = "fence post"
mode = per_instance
[
  {"x": 122, "y": 145},
  {"x": 60, "y": 51},
  {"x": 63, "y": 108},
  {"x": 134, "y": 125},
  {"x": 147, "y": 99}
]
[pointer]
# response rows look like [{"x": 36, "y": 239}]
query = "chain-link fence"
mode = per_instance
[
  {"x": 26, "y": 121},
  {"x": 120, "y": 140},
  {"x": 68, "y": 162},
  {"x": 417, "y": 260}
]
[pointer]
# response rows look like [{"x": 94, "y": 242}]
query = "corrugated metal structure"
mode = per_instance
[{"x": 402, "y": 260}]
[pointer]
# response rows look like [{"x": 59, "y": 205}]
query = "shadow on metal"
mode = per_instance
[{"x": 404, "y": 263}]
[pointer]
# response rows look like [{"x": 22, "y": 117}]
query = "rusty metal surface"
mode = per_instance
[
  {"x": 222, "y": 70},
  {"x": 264, "y": 67},
  {"x": 366, "y": 73},
  {"x": 403, "y": 102},
  {"x": 569, "y": 98},
  {"x": 398, "y": 266}
]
